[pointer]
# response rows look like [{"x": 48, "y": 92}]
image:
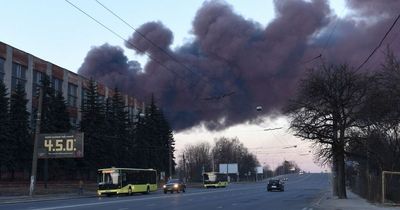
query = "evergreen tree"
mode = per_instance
[
  {"x": 61, "y": 117},
  {"x": 55, "y": 118},
  {"x": 5, "y": 156},
  {"x": 141, "y": 144},
  {"x": 120, "y": 135},
  {"x": 156, "y": 139},
  {"x": 168, "y": 143},
  {"x": 93, "y": 125},
  {"x": 21, "y": 139},
  {"x": 47, "y": 116}
]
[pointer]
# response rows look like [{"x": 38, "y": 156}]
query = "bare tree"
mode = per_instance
[
  {"x": 379, "y": 131},
  {"x": 325, "y": 111},
  {"x": 231, "y": 150},
  {"x": 287, "y": 167},
  {"x": 194, "y": 159}
]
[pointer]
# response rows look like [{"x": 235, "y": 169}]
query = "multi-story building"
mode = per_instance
[{"x": 19, "y": 67}]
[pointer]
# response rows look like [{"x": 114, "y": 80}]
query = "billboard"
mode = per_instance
[
  {"x": 259, "y": 170},
  {"x": 231, "y": 168},
  {"x": 60, "y": 145}
]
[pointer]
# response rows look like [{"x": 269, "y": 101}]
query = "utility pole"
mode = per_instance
[
  {"x": 170, "y": 159},
  {"x": 227, "y": 170},
  {"x": 35, "y": 146},
  {"x": 184, "y": 167}
]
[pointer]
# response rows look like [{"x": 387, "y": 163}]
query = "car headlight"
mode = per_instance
[
  {"x": 164, "y": 186},
  {"x": 176, "y": 185}
]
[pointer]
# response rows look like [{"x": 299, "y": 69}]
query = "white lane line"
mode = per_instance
[
  {"x": 139, "y": 199},
  {"x": 300, "y": 179},
  {"x": 318, "y": 202}
]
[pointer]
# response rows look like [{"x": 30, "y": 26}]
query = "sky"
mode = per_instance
[{"x": 57, "y": 32}]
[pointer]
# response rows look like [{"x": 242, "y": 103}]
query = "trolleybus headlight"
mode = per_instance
[
  {"x": 176, "y": 185},
  {"x": 164, "y": 186}
]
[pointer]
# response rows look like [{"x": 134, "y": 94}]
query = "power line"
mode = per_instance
[
  {"x": 312, "y": 59},
  {"x": 127, "y": 41},
  {"x": 333, "y": 30},
  {"x": 147, "y": 39},
  {"x": 327, "y": 41},
  {"x": 223, "y": 95},
  {"x": 218, "y": 97},
  {"x": 380, "y": 43},
  {"x": 271, "y": 129}
]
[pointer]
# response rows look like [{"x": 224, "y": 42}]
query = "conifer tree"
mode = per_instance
[
  {"x": 5, "y": 156},
  {"x": 93, "y": 125},
  {"x": 155, "y": 139},
  {"x": 55, "y": 118},
  {"x": 21, "y": 140},
  {"x": 119, "y": 125}
]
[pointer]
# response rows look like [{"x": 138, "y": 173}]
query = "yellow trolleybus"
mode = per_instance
[
  {"x": 215, "y": 179},
  {"x": 126, "y": 181}
]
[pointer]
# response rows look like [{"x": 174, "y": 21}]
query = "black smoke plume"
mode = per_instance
[{"x": 235, "y": 64}]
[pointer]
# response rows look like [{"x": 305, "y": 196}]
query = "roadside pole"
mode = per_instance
[
  {"x": 35, "y": 146},
  {"x": 170, "y": 161},
  {"x": 227, "y": 171}
]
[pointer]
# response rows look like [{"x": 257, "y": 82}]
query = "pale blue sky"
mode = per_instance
[{"x": 55, "y": 31}]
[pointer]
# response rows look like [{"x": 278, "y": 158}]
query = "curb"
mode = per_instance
[{"x": 38, "y": 199}]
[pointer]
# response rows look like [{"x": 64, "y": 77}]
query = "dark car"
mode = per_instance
[
  {"x": 174, "y": 185},
  {"x": 275, "y": 184}
]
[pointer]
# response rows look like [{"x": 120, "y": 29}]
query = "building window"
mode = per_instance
[
  {"x": 83, "y": 96},
  {"x": 2, "y": 61},
  {"x": 37, "y": 81},
  {"x": 18, "y": 75},
  {"x": 57, "y": 84},
  {"x": 72, "y": 95}
]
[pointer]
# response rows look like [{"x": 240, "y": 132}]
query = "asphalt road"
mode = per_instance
[{"x": 301, "y": 192}]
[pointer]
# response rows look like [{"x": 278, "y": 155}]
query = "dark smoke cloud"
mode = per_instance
[
  {"x": 109, "y": 64},
  {"x": 234, "y": 64}
]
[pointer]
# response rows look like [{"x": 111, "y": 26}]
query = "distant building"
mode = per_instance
[{"x": 17, "y": 66}]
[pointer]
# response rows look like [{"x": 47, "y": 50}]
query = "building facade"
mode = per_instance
[{"x": 19, "y": 67}]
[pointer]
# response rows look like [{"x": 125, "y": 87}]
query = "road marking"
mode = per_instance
[
  {"x": 318, "y": 201},
  {"x": 140, "y": 199}
]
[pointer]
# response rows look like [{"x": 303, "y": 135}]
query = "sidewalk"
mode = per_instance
[
  {"x": 353, "y": 202},
  {"x": 26, "y": 198}
]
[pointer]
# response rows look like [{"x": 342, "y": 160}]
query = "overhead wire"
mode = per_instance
[
  {"x": 147, "y": 39},
  {"x": 202, "y": 76},
  {"x": 380, "y": 43},
  {"x": 127, "y": 41},
  {"x": 320, "y": 56}
]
